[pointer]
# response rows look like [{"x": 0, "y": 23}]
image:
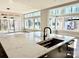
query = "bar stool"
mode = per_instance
[{"x": 70, "y": 49}]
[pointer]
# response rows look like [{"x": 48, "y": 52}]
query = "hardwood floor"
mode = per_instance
[{"x": 2, "y": 52}]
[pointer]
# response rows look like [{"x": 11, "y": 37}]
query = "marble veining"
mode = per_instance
[{"x": 24, "y": 45}]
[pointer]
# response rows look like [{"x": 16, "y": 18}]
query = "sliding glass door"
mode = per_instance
[
  {"x": 4, "y": 25},
  {"x": 33, "y": 23},
  {"x": 37, "y": 24},
  {"x": 11, "y": 25},
  {"x": 55, "y": 23},
  {"x": 30, "y": 23},
  {"x": 7, "y": 25}
]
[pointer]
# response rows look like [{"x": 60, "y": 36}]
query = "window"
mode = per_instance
[
  {"x": 52, "y": 23},
  {"x": 32, "y": 14},
  {"x": 37, "y": 23},
  {"x": 58, "y": 11},
  {"x": 26, "y": 24},
  {"x": 29, "y": 15},
  {"x": 68, "y": 10},
  {"x": 58, "y": 18},
  {"x": 70, "y": 25},
  {"x": 4, "y": 25},
  {"x": 7, "y": 25},
  {"x": 11, "y": 27},
  {"x": 30, "y": 23},
  {"x": 64, "y": 10},
  {"x": 75, "y": 8},
  {"x": 36, "y": 14},
  {"x": 49, "y": 22},
  {"x": 55, "y": 12},
  {"x": 55, "y": 23},
  {"x": 33, "y": 21}
]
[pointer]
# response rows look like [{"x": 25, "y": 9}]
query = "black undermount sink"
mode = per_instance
[{"x": 50, "y": 43}]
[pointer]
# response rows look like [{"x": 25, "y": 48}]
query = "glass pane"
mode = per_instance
[
  {"x": 58, "y": 11},
  {"x": 29, "y": 15},
  {"x": 77, "y": 9},
  {"x": 11, "y": 26},
  {"x": 74, "y": 9},
  {"x": 30, "y": 23},
  {"x": 55, "y": 12},
  {"x": 26, "y": 24},
  {"x": 59, "y": 23},
  {"x": 52, "y": 23},
  {"x": 35, "y": 14},
  {"x": 68, "y": 10},
  {"x": 49, "y": 22},
  {"x": 4, "y": 25},
  {"x": 37, "y": 23},
  {"x": 69, "y": 25}
]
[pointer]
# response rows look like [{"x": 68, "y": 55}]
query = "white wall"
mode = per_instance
[
  {"x": 44, "y": 18},
  {"x": 19, "y": 23}
]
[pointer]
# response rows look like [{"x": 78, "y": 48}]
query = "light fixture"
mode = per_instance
[
  {"x": 12, "y": 17},
  {"x": 8, "y": 8},
  {"x": 4, "y": 17}
]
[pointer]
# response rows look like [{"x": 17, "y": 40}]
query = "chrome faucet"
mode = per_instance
[{"x": 44, "y": 32}]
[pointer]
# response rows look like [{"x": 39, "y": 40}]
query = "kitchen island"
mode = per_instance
[{"x": 23, "y": 45}]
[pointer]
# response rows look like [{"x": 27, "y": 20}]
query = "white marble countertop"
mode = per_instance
[{"x": 22, "y": 45}]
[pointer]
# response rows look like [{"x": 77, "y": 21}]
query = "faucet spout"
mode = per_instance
[{"x": 44, "y": 31}]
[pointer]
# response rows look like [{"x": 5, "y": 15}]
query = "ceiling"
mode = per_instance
[{"x": 24, "y": 6}]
